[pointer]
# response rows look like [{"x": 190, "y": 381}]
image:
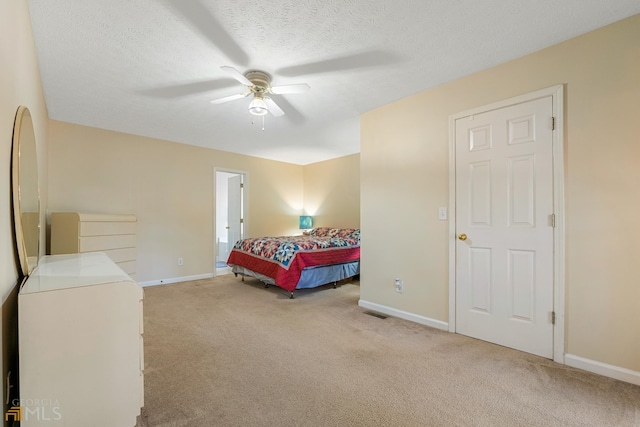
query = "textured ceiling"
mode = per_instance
[{"x": 150, "y": 67}]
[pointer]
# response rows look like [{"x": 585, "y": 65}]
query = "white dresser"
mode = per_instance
[
  {"x": 115, "y": 235},
  {"x": 80, "y": 343}
]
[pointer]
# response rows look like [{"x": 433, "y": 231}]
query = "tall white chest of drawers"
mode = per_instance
[
  {"x": 115, "y": 235},
  {"x": 80, "y": 343}
]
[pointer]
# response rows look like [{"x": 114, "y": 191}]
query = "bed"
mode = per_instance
[{"x": 324, "y": 255}]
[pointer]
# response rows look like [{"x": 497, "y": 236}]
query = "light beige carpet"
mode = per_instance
[{"x": 222, "y": 352}]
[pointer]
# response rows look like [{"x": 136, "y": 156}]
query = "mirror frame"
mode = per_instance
[{"x": 22, "y": 117}]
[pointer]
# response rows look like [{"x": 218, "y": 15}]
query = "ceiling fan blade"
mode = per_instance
[
  {"x": 296, "y": 88},
  {"x": 374, "y": 58},
  {"x": 237, "y": 75},
  {"x": 273, "y": 107},
  {"x": 198, "y": 17},
  {"x": 293, "y": 115},
  {"x": 229, "y": 98},
  {"x": 187, "y": 89}
]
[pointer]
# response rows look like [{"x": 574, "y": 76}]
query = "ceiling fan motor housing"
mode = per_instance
[
  {"x": 259, "y": 85},
  {"x": 260, "y": 80}
]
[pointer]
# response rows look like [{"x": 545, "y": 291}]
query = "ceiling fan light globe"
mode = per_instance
[{"x": 258, "y": 107}]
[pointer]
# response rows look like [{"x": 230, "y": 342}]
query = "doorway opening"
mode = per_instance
[{"x": 230, "y": 195}]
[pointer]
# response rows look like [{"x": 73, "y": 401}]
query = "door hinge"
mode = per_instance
[
  {"x": 553, "y": 123},
  {"x": 553, "y": 220},
  {"x": 241, "y": 185},
  {"x": 241, "y": 220},
  {"x": 553, "y": 317}
]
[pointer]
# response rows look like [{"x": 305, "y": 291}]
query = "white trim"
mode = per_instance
[
  {"x": 558, "y": 232},
  {"x": 556, "y": 92},
  {"x": 176, "y": 280},
  {"x": 611, "y": 371},
  {"x": 437, "y": 324},
  {"x": 521, "y": 99},
  {"x": 452, "y": 224}
]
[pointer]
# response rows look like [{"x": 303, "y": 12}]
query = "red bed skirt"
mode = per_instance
[{"x": 288, "y": 278}]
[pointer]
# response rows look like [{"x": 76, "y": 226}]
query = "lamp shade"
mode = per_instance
[
  {"x": 258, "y": 107},
  {"x": 306, "y": 222}
]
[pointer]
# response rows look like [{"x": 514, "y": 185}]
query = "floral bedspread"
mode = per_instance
[{"x": 283, "y": 258}]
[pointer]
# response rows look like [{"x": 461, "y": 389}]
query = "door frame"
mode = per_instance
[
  {"x": 245, "y": 207},
  {"x": 556, "y": 93}
]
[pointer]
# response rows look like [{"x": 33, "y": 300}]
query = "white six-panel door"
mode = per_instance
[{"x": 504, "y": 206}]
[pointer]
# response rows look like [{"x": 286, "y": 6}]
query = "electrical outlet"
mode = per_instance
[
  {"x": 399, "y": 286},
  {"x": 180, "y": 261}
]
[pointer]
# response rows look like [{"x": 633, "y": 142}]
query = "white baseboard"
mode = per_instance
[
  {"x": 176, "y": 280},
  {"x": 600, "y": 368},
  {"x": 438, "y": 324}
]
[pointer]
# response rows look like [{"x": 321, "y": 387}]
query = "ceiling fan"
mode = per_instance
[{"x": 258, "y": 84}]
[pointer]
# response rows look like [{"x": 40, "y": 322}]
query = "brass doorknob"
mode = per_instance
[{"x": 462, "y": 236}]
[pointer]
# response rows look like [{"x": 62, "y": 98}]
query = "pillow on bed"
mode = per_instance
[
  {"x": 344, "y": 233},
  {"x": 320, "y": 231}
]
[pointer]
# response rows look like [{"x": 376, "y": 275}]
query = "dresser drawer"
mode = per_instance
[
  {"x": 104, "y": 243},
  {"x": 121, "y": 255},
  {"x": 105, "y": 228}
]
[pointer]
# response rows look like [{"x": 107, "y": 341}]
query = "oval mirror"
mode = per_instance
[{"x": 26, "y": 198}]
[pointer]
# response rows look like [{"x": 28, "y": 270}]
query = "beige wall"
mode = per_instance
[
  {"x": 404, "y": 178},
  {"x": 169, "y": 187},
  {"x": 19, "y": 85},
  {"x": 332, "y": 192}
]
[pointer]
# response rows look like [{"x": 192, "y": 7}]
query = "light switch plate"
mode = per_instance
[{"x": 442, "y": 214}]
